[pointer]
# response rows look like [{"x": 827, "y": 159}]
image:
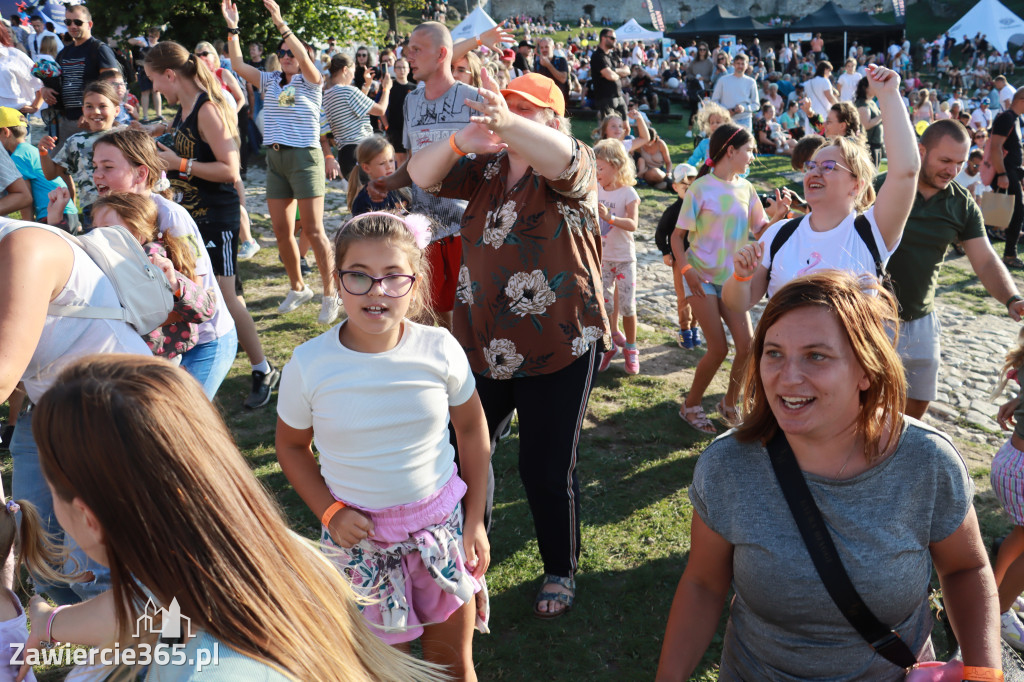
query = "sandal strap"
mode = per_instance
[
  {"x": 698, "y": 416},
  {"x": 560, "y": 597},
  {"x": 567, "y": 583}
]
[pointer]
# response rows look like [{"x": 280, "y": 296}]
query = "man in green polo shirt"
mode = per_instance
[{"x": 943, "y": 213}]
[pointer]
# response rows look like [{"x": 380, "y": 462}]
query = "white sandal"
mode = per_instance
[{"x": 695, "y": 417}]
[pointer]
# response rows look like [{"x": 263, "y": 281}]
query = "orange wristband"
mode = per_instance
[
  {"x": 183, "y": 166},
  {"x": 479, "y": 43},
  {"x": 978, "y": 674},
  {"x": 329, "y": 156},
  {"x": 331, "y": 511},
  {"x": 685, "y": 269},
  {"x": 742, "y": 279},
  {"x": 455, "y": 147},
  {"x": 43, "y": 152}
]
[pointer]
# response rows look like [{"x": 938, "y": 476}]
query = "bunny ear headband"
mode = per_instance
[{"x": 418, "y": 225}]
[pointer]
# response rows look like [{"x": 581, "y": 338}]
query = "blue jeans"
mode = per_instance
[
  {"x": 210, "y": 362},
  {"x": 29, "y": 484}
]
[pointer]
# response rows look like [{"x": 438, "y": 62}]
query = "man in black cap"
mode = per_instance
[
  {"x": 524, "y": 58},
  {"x": 605, "y": 71}
]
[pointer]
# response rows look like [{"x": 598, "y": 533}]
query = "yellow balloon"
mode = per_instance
[{"x": 584, "y": 42}]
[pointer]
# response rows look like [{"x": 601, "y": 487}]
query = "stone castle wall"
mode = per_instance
[{"x": 620, "y": 11}]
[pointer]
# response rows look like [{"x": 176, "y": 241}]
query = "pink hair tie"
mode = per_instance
[{"x": 418, "y": 225}]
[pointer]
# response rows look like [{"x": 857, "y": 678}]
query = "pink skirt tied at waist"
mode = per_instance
[{"x": 413, "y": 571}]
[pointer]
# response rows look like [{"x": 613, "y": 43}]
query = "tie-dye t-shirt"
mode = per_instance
[{"x": 718, "y": 215}]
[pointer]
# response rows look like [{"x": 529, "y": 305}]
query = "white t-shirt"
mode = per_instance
[
  {"x": 379, "y": 420},
  {"x": 617, "y": 244},
  {"x": 981, "y": 119},
  {"x": 807, "y": 251},
  {"x": 1006, "y": 96},
  {"x": 177, "y": 222},
  {"x": 848, "y": 86},
  {"x": 816, "y": 89}
]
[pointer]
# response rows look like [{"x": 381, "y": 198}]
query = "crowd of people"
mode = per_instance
[{"x": 482, "y": 273}]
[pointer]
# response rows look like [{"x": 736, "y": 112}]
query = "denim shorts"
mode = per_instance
[{"x": 709, "y": 288}]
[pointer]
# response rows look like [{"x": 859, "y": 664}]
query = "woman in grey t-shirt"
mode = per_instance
[{"x": 894, "y": 493}]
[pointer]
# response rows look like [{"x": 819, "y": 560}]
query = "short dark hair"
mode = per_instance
[
  {"x": 944, "y": 128},
  {"x": 35, "y": 17},
  {"x": 605, "y": 31}
]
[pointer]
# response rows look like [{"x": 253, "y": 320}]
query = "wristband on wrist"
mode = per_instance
[
  {"x": 330, "y": 512},
  {"x": 742, "y": 279},
  {"x": 182, "y": 166},
  {"x": 1013, "y": 299},
  {"x": 686, "y": 268},
  {"x": 232, "y": 37},
  {"x": 234, "y": 31},
  {"x": 479, "y": 43},
  {"x": 188, "y": 167},
  {"x": 455, "y": 147},
  {"x": 979, "y": 674},
  {"x": 49, "y": 622},
  {"x": 329, "y": 156},
  {"x": 43, "y": 152}
]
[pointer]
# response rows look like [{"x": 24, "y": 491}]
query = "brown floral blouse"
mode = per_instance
[{"x": 529, "y": 294}]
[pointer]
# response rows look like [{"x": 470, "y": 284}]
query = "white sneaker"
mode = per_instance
[
  {"x": 294, "y": 299},
  {"x": 248, "y": 249},
  {"x": 329, "y": 310},
  {"x": 1012, "y": 630},
  {"x": 1018, "y": 605}
]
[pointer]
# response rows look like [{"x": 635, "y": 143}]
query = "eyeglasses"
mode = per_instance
[
  {"x": 362, "y": 54},
  {"x": 203, "y": 54},
  {"x": 285, "y": 53},
  {"x": 359, "y": 283},
  {"x": 826, "y": 166},
  {"x": 76, "y": 22}
]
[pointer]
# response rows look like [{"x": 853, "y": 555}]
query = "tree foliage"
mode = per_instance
[{"x": 188, "y": 21}]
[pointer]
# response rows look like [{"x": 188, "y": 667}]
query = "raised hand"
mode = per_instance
[
  {"x": 230, "y": 12},
  {"x": 882, "y": 80},
  {"x": 495, "y": 36},
  {"x": 47, "y": 144},
  {"x": 275, "y": 11},
  {"x": 492, "y": 112}
]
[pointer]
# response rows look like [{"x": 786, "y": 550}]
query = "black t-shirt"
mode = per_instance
[
  {"x": 520, "y": 65},
  {"x": 601, "y": 87},
  {"x": 394, "y": 115},
  {"x": 666, "y": 224},
  {"x": 1007, "y": 124},
  {"x": 207, "y": 201},
  {"x": 81, "y": 65},
  {"x": 559, "y": 64}
]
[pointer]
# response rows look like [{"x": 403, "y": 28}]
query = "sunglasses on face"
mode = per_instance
[
  {"x": 359, "y": 283},
  {"x": 203, "y": 54},
  {"x": 825, "y": 166},
  {"x": 362, "y": 54},
  {"x": 284, "y": 53},
  {"x": 76, "y": 22}
]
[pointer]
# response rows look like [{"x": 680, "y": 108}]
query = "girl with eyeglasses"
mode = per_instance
[
  {"x": 295, "y": 161},
  {"x": 844, "y": 213},
  {"x": 400, "y": 519}
]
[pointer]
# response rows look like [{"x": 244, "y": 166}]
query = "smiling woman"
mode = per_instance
[{"x": 825, "y": 382}]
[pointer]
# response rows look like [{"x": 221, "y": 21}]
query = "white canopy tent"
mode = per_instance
[
  {"x": 631, "y": 30},
  {"x": 992, "y": 19},
  {"x": 475, "y": 23}
]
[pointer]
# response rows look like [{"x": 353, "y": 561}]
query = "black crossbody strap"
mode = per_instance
[{"x": 809, "y": 521}]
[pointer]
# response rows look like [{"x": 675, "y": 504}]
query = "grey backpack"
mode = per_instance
[{"x": 142, "y": 288}]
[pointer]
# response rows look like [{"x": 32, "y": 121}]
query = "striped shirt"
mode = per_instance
[
  {"x": 344, "y": 115},
  {"x": 292, "y": 112}
]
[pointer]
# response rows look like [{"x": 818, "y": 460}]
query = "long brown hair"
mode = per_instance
[
  {"x": 139, "y": 215},
  {"x": 867, "y": 313},
  {"x": 190, "y": 521},
  {"x": 168, "y": 54},
  {"x": 37, "y": 550},
  {"x": 140, "y": 150},
  {"x": 727, "y": 136}
]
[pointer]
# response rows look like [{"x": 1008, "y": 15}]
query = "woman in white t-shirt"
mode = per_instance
[
  {"x": 819, "y": 89},
  {"x": 848, "y": 81},
  {"x": 837, "y": 187},
  {"x": 347, "y": 113}
]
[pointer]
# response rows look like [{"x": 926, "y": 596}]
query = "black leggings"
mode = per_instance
[
  {"x": 551, "y": 409},
  {"x": 1013, "y": 229}
]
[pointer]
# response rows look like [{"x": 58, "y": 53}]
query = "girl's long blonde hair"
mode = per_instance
[
  {"x": 614, "y": 153},
  {"x": 168, "y": 54},
  {"x": 1014, "y": 361},
  {"x": 135, "y": 440}
]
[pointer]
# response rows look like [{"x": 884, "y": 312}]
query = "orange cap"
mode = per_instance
[{"x": 539, "y": 90}]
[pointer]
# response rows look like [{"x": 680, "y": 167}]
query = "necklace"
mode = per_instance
[{"x": 843, "y": 468}]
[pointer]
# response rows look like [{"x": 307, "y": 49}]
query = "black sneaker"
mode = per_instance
[
  {"x": 6, "y": 434},
  {"x": 263, "y": 384},
  {"x": 304, "y": 267}
]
